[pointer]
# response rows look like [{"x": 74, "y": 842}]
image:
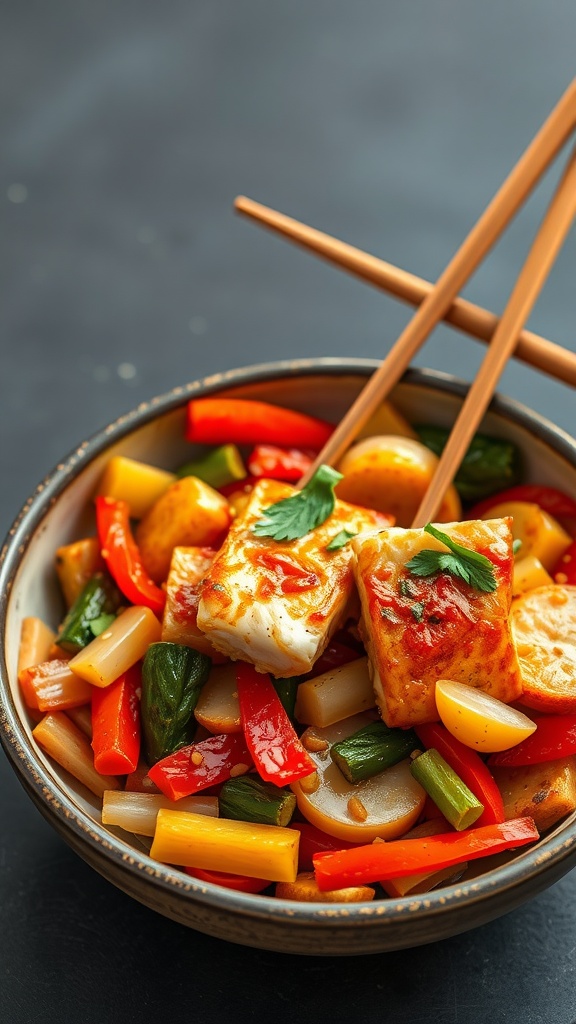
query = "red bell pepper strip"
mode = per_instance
[
  {"x": 200, "y": 765},
  {"x": 314, "y": 840},
  {"x": 565, "y": 569},
  {"x": 469, "y": 766},
  {"x": 418, "y": 856},
  {"x": 555, "y": 737},
  {"x": 240, "y": 883},
  {"x": 268, "y": 460},
  {"x": 244, "y": 421},
  {"x": 278, "y": 754},
  {"x": 122, "y": 557},
  {"x": 559, "y": 505},
  {"x": 116, "y": 724}
]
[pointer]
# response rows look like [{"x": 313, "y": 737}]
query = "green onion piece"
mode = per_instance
[
  {"x": 452, "y": 797},
  {"x": 217, "y": 468},
  {"x": 286, "y": 690},
  {"x": 371, "y": 750},
  {"x": 246, "y": 798},
  {"x": 100, "y": 597}
]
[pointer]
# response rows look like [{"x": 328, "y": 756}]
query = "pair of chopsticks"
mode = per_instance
[{"x": 440, "y": 300}]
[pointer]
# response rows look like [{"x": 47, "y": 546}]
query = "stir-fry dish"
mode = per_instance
[{"x": 290, "y": 691}]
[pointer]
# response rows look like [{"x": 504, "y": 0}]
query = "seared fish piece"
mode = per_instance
[
  {"x": 276, "y": 603},
  {"x": 187, "y": 570},
  {"x": 418, "y": 630}
]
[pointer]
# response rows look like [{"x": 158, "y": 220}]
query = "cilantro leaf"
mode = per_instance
[
  {"x": 340, "y": 539},
  {"x": 463, "y": 563},
  {"x": 293, "y": 517}
]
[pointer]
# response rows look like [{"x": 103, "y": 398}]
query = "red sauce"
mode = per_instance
[
  {"x": 289, "y": 577},
  {"x": 186, "y": 598},
  {"x": 430, "y": 611}
]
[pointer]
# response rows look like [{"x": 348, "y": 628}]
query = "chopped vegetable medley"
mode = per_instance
[{"x": 291, "y": 692}]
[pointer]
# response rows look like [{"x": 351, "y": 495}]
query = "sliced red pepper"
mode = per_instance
[
  {"x": 244, "y": 421},
  {"x": 418, "y": 856},
  {"x": 559, "y": 505},
  {"x": 565, "y": 569},
  {"x": 555, "y": 737},
  {"x": 122, "y": 557},
  {"x": 314, "y": 840},
  {"x": 278, "y": 754},
  {"x": 215, "y": 759},
  {"x": 240, "y": 883},
  {"x": 275, "y": 463},
  {"x": 116, "y": 724},
  {"x": 469, "y": 766}
]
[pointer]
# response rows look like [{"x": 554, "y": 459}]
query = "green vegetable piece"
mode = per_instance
[
  {"x": 371, "y": 750},
  {"x": 490, "y": 464},
  {"x": 172, "y": 678},
  {"x": 464, "y": 563},
  {"x": 99, "y": 597},
  {"x": 217, "y": 468},
  {"x": 452, "y": 797},
  {"x": 246, "y": 798},
  {"x": 296, "y": 516},
  {"x": 340, "y": 540},
  {"x": 286, "y": 690},
  {"x": 98, "y": 625}
]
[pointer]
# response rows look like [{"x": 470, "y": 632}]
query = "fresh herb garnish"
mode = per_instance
[
  {"x": 340, "y": 540},
  {"x": 516, "y": 545},
  {"x": 405, "y": 588},
  {"x": 418, "y": 610},
  {"x": 293, "y": 517},
  {"x": 464, "y": 563}
]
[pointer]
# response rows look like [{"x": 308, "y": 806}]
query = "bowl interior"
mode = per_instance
[{"x": 60, "y": 513}]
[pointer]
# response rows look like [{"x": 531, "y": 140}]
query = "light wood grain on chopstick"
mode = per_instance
[
  {"x": 479, "y": 323},
  {"x": 481, "y": 238},
  {"x": 551, "y": 234}
]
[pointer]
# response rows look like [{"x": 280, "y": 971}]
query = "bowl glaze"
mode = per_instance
[{"x": 57, "y": 513}]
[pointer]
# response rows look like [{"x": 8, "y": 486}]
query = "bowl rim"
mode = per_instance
[{"x": 535, "y": 867}]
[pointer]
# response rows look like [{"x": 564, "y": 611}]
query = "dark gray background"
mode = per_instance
[{"x": 127, "y": 130}]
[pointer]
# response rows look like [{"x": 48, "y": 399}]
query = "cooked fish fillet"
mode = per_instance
[
  {"x": 418, "y": 630},
  {"x": 276, "y": 604},
  {"x": 188, "y": 567}
]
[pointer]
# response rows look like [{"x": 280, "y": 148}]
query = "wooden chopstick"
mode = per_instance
[
  {"x": 549, "y": 238},
  {"x": 479, "y": 323},
  {"x": 487, "y": 229}
]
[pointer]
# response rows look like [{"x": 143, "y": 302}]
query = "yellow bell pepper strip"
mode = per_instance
[
  {"x": 116, "y": 724},
  {"x": 469, "y": 766},
  {"x": 200, "y": 765},
  {"x": 278, "y": 754},
  {"x": 122, "y": 557},
  {"x": 218, "y": 844},
  {"x": 401, "y": 857},
  {"x": 555, "y": 737},
  {"x": 244, "y": 421}
]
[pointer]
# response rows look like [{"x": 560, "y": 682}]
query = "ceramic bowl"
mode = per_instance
[{"x": 57, "y": 514}]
